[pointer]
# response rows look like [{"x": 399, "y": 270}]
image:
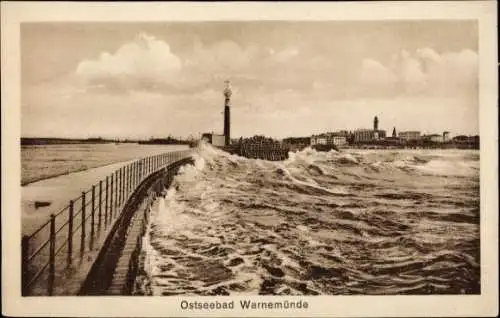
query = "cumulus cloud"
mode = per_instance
[
  {"x": 144, "y": 62},
  {"x": 284, "y": 55},
  {"x": 374, "y": 74},
  {"x": 423, "y": 72},
  {"x": 222, "y": 55},
  {"x": 148, "y": 64}
]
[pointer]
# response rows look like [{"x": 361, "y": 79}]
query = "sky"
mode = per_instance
[{"x": 289, "y": 78}]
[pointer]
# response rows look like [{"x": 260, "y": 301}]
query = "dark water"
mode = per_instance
[{"x": 356, "y": 222}]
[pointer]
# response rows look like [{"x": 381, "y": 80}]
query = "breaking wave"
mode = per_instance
[{"x": 356, "y": 222}]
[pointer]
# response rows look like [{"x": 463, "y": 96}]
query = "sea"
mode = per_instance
[
  {"x": 39, "y": 162},
  {"x": 355, "y": 222}
]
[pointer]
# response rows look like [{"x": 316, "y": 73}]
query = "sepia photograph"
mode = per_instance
[{"x": 269, "y": 158}]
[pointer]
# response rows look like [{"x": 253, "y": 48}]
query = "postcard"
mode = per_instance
[{"x": 250, "y": 159}]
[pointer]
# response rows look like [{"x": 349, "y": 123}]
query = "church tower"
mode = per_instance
[
  {"x": 227, "y": 113},
  {"x": 375, "y": 123},
  {"x": 394, "y": 132}
]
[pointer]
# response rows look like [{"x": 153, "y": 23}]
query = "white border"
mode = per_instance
[{"x": 14, "y": 13}]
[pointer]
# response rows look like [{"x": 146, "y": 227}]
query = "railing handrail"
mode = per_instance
[
  {"x": 113, "y": 191},
  {"x": 90, "y": 189}
]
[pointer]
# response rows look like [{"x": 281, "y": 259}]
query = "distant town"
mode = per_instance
[
  {"x": 373, "y": 138},
  {"x": 260, "y": 146},
  {"x": 376, "y": 138}
]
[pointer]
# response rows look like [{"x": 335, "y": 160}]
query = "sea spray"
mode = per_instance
[{"x": 356, "y": 222}]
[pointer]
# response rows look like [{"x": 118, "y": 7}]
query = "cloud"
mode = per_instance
[
  {"x": 284, "y": 55},
  {"x": 222, "y": 55},
  {"x": 143, "y": 63},
  {"x": 148, "y": 64},
  {"x": 423, "y": 72},
  {"x": 375, "y": 75}
]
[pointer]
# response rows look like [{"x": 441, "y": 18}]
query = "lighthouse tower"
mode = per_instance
[{"x": 227, "y": 113}]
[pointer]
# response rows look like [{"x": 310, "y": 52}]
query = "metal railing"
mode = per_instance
[{"x": 51, "y": 251}]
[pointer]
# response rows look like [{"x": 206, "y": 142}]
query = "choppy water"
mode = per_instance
[{"x": 355, "y": 222}]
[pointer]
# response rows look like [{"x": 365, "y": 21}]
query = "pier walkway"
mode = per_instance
[
  {"x": 58, "y": 191},
  {"x": 74, "y": 245}
]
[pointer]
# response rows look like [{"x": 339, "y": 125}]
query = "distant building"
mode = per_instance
[
  {"x": 344, "y": 133},
  {"x": 446, "y": 136},
  {"x": 337, "y": 138},
  {"x": 363, "y": 135},
  {"x": 219, "y": 140},
  {"x": 394, "y": 135},
  {"x": 409, "y": 135},
  {"x": 392, "y": 141},
  {"x": 214, "y": 139},
  {"x": 433, "y": 138},
  {"x": 466, "y": 139},
  {"x": 379, "y": 134},
  {"x": 318, "y": 139},
  {"x": 367, "y": 135}
]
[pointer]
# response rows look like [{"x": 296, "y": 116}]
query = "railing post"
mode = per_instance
[
  {"x": 92, "y": 220},
  {"x": 131, "y": 177},
  {"x": 115, "y": 190},
  {"x": 52, "y": 255},
  {"x": 106, "y": 204},
  {"x": 136, "y": 173},
  {"x": 139, "y": 169},
  {"x": 111, "y": 200},
  {"x": 124, "y": 183},
  {"x": 127, "y": 180},
  {"x": 82, "y": 238},
  {"x": 24, "y": 265},
  {"x": 116, "y": 193},
  {"x": 121, "y": 186},
  {"x": 143, "y": 166},
  {"x": 100, "y": 207},
  {"x": 70, "y": 233}
]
